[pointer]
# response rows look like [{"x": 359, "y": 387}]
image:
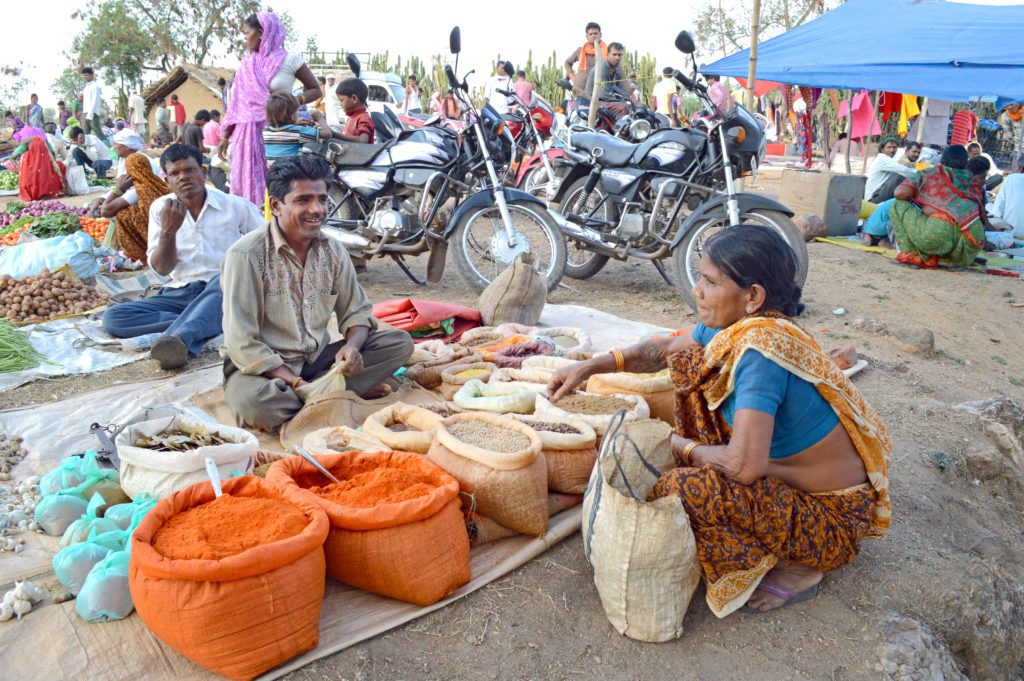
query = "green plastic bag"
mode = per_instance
[
  {"x": 56, "y": 513},
  {"x": 73, "y": 564},
  {"x": 65, "y": 476},
  {"x": 79, "y": 530},
  {"x": 106, "y": 481},
  {"x": 105, "y": 595}
]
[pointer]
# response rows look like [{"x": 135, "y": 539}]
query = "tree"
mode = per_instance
[
  {"x": 114, "y": 42},
  {"x": 725, "y": 28},
  {"x": 12, "y": 84},
  {"x": 67, "y": 86}
]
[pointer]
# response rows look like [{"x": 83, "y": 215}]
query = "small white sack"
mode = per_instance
[
  {"x": 161, "y": 473},
  {"x": 78, "y": 184},
  {"x": 644, "y": 554}
]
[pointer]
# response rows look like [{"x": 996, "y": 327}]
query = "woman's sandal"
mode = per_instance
[{"x": 788, "y": 597}]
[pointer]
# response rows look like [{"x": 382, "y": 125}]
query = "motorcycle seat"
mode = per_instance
[
  {"x": 613, "y": 151},
  {"x": 354, "y": 153}
]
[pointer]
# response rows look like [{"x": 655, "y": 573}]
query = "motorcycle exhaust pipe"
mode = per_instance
[
  {"x": 589, "y": 237},
  {"x": 350, "y": 240}
]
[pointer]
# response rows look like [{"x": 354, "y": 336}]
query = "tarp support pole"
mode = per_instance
[
  {"x": 874, "y": 119},
  {"x": 755, "y": 25},
  {"x": 921, "y": 121},
  {"x": 849, "y": 132}
]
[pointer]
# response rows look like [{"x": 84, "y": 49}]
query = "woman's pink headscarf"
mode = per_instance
[{"x": 247, "y": 110}]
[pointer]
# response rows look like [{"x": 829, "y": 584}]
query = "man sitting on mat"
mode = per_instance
[{"x": 281, "y": 285}]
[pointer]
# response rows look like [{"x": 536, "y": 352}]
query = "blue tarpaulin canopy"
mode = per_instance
[{"x": 945, "y": 50}]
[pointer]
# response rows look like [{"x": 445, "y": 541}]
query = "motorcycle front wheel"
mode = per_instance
[
  {"x": 581, "y": 262},
  {"x": 686, "y": 256},
  {"x": 482, "y": 251}
]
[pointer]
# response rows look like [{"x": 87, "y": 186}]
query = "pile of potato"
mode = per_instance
[{"x": 46, "y": 296}]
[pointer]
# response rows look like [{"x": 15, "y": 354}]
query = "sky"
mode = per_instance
[{"x": 421, "y": 29}]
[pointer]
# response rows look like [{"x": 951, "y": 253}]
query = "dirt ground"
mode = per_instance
[{"x": 953, "y": 560}]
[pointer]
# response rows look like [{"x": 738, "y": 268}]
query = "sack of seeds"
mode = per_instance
[
  {"x": 479, "y": 337},
  {"x": 428, "y": 374},
  {"x": 501, "y": 398},
  {"x": 594, "y": 410},
  {"x": 567, "y": 339},
  {"x": 403, "y": 427},
  {"x": 458, "y": 375},
  {"x": 656, "y": 389},
  {"x": 497, "y": 461},
  {"x": 569, "y": 448}
]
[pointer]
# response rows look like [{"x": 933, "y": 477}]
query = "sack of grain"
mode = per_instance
[
  {"x": 644, "y": 554},
  {"x": 567, "y": 339},
  {"x": 458, "y": 375},
  {"x": 428, "y": 374},
  {"x": 479, "y": 337},
  {"x": 396, "y": 525},
  {"x": 594, "y": 410},
  {"x": 656, "y": 389},
  {"x": 516, "y": 295},
  {"x": 569, "y": 448},
  {"x": 501, "y": 398},
  {"x": 146, "y": 469},
  {"x": 403, "y": 427},
  {"x": 498, "y": 461},
  {"x": 340, "y": 439},
  {"x": 483, "y": 530},
  {"x": 245, "y": 612}
]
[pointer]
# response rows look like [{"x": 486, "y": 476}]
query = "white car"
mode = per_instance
[{"x": 386, "y": 91}]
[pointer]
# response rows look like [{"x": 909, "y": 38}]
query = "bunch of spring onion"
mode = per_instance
[{"x": 16, "y": 352}]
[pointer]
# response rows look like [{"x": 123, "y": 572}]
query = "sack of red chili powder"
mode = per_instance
[
  {"x": 396, "y": 525},
  {"x": 235, "y": 596}
]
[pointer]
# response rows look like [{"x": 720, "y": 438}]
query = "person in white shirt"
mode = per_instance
[
  {"x": 137, "y": 114},
  {"x": 335, "y": 115},
  {"x": 502, "y": 80},
  {"x": 885, "y": 173},
  {"x": 89, "y": 151},
  {"x": 190, "y": 230},
  {"x": 1009, "y": 204},
  {"x": 58, "y": 145},
  {"x": 92, "y": 96}
]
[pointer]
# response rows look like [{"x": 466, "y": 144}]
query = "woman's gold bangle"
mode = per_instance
[
  {"x": 295, "y": 382},
  {"x": 301, "y": 99},
  {"x": 687, "y": 450},
  {"x": 620, "y": 361}
]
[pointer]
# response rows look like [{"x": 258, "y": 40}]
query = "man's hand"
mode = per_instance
[
  {"x": 348, "y": 361},
  {"x": 172, "y": 215},
  {"x": 124, "y": 183},
  {"x": 316, "y": 115}
]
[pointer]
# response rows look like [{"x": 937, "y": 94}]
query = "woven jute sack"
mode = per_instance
[
  {"x": 422, "y": 422},
  {"x": 656, "y": 389},
  {"x": 510, "y": 487},
  {"x": 517, "y": 295},
  {"x": 643, "y": 554},
  {"x": 452, "y": 382},
  {"x": 570, "y": 456},
  {"x": 428, "y": 374},
  {"x": 483, "y": 530}
]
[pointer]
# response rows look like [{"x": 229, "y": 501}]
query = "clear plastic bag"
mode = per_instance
[
  {"x": 56, "y": 512},
  {"x": 105, "y": 595}
]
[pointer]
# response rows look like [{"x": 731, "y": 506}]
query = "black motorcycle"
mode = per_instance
[
  {"x": 668, "y": 195},
  {"x": 431, "y": 186}
]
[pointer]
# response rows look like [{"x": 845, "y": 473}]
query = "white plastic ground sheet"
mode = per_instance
[{"x": 64, "y": 646}]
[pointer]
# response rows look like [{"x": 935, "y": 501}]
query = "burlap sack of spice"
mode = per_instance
[
  {"x": 517, "y": 295},
  {"x": 510, "y": 487}
]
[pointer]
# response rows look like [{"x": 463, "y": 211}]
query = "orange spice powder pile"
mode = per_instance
[
  {"x": 227, "y": 526},
  {"x": 378, "y": 486}
]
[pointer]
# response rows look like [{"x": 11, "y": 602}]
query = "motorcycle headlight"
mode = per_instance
[{"x": 639, "y": 130}]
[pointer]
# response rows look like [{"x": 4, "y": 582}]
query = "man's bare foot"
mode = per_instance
[
  {"x": 792, "y": 577},
  {"x": 376, "y": 392}
]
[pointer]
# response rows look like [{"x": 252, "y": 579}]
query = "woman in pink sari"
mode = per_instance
[{"x": 265, "y": 69}]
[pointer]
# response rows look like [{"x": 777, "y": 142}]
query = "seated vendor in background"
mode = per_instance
[
  {"x": 281, "y": 285},
  {"x": 190, "y": 230},
  {"x": 885, "y": 173},
  {"x": 783, "y": 465}
]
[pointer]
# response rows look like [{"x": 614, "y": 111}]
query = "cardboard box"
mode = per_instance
[{"x": 833, "y": 197}]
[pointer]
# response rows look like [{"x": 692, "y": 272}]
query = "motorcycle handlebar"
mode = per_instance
[
  {"x": 449, "y": 72},
  {"x": 687, "y": 82}
]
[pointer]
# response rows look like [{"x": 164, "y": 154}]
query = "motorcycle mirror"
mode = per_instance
[
  {"x": 684, "y": 43},
  {"x": 564, "y": 83},
  {"x": 455, "y": 40},
  {"x": 353, "y": 64}
]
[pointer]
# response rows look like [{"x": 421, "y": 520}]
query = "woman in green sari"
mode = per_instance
[{"x": 936, "y": 214}]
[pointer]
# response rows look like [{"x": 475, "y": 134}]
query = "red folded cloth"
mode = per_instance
[{"x": 409, "y": 314}]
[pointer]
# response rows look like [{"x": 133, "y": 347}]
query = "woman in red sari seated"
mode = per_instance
[{"x": 783, "y": 465}]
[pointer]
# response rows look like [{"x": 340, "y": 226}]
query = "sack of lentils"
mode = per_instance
[
  {"x": 594, "y": 410},
  {"x": 403, "y": 427},
  {"x": 396, "y": 524},
  {"x": 656, "y": 389},
  {"x": 235, "y": 596},
  {"x": 570, "y": 450},
  {"x": 454, "y": 377},
  {"x": 497, "y": 461}
]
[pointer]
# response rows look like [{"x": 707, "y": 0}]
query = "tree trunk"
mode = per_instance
[{"x": 755, "y": 23}]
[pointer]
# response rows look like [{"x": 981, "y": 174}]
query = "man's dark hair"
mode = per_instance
[
  {"x": 87, "y": 69},
  {"x": 353, "y": 87},
  {"x": 302, "y": 167},
  {"x": 911, "y": 145},
  {"x": 521, "y": 74},
  {"x": 75, "y": 131},
  {"x": 174, "y": 98},
  {"x": 413, "y": 78},
  {"x": 979, "y": 165},
  {"x": 321, "y": 80},
  {"x": 592, "y": 24},
  {"x": 180, "y": 152},
  {"x": 508, "y": 68},
  {"x": 954, "y": 156},
  {"x": 616, "y": 46},
  {"x": 221, "y": 82},
  {"x": 974, "y": 145},
  {"x": 214, "y": 113},
  {"x": 50, "y": 127},
  {"x": 161, "y": 100},
  {"x": 202, "y": 115},
  {"x": 61, "y": 103},
  {"x": 758, "y": 256},
  {"x": 33, "y": 95},
  {"x": 667, "y": 71}
]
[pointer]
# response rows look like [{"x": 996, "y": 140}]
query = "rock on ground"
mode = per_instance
[
  {"x": 909, "y": 651},
  {"x": 811, "y": 226}
]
